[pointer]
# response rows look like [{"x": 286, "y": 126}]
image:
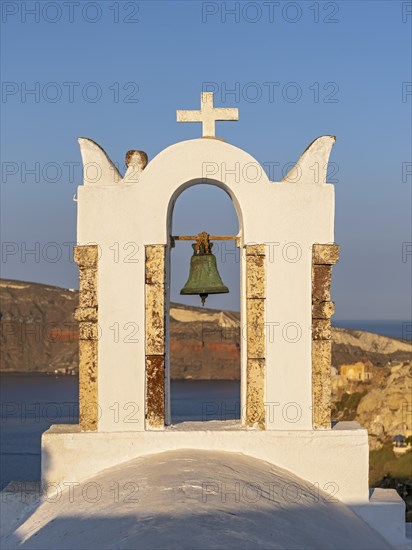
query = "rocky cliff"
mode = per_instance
[
  {"x": 385, "y": 409},
  {"x": 38, "y": 334},
  {"x": 350, "y": 346}
]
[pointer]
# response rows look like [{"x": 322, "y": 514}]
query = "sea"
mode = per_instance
[
  {"x": 393, "y": 329},
  {"x": 30, "y": 404}
]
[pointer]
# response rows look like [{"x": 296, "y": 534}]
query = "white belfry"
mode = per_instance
[
  {"x": 207, "y": 114},
  {"x": 295, "y": 435}
]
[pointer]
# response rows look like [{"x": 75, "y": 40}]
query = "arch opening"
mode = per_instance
[{"x": 203, "y": 351}]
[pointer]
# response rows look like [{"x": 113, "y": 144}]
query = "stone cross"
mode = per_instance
[{"x": 207, "y": 115}]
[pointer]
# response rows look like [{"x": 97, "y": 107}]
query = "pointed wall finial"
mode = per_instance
[
  {"x": 313, "y": 163},
  {"x": 98, "y": 169}
]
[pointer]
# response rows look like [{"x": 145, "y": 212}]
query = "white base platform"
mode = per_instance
[
  {"x": 385, "y": 513},
  {"x": 335, "y": 460}
]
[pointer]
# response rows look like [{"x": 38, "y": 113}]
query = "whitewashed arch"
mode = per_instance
[{"x": 125, "y": 216}]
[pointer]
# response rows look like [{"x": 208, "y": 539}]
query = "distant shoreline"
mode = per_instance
[
  {"x": 40, "y": 336},
  {"x": 35, "y": 373},
  {"x": 398, "y": 329},
  {"x": 76, "y": 375}
]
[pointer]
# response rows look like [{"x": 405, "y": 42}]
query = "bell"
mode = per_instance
[{"x": 204, "y": 278}]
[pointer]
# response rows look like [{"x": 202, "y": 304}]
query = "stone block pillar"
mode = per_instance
[
  {"x": 255, "y": 338},
  {"x": 86, "y": 258},
  {"x": 323, "y": 257},
  {"x": 155, "y": 336}
]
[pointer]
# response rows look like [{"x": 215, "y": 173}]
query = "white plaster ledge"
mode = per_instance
[{"x": 337, "y": 458}]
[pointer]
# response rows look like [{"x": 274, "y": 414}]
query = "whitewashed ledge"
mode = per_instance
[{"x": 339, "y": 456}]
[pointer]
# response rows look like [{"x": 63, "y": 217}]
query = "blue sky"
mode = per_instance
[{"x": 297, "y": 70}]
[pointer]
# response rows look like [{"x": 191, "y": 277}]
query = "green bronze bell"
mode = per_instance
[{"x": 204, "y": 278}]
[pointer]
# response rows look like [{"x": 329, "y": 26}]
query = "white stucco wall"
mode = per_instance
[
  {"x": 139, "y": 212},
  {"x": 336, "y": 460}
]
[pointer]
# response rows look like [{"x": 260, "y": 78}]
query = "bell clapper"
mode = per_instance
[{"x": 203, "y": 298}]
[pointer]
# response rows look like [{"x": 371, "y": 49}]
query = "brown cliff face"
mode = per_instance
[
  {"x": 350, "y": 346},
  {"x": 39, "y": 334},
  {"x": 204, "y": 343}
]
